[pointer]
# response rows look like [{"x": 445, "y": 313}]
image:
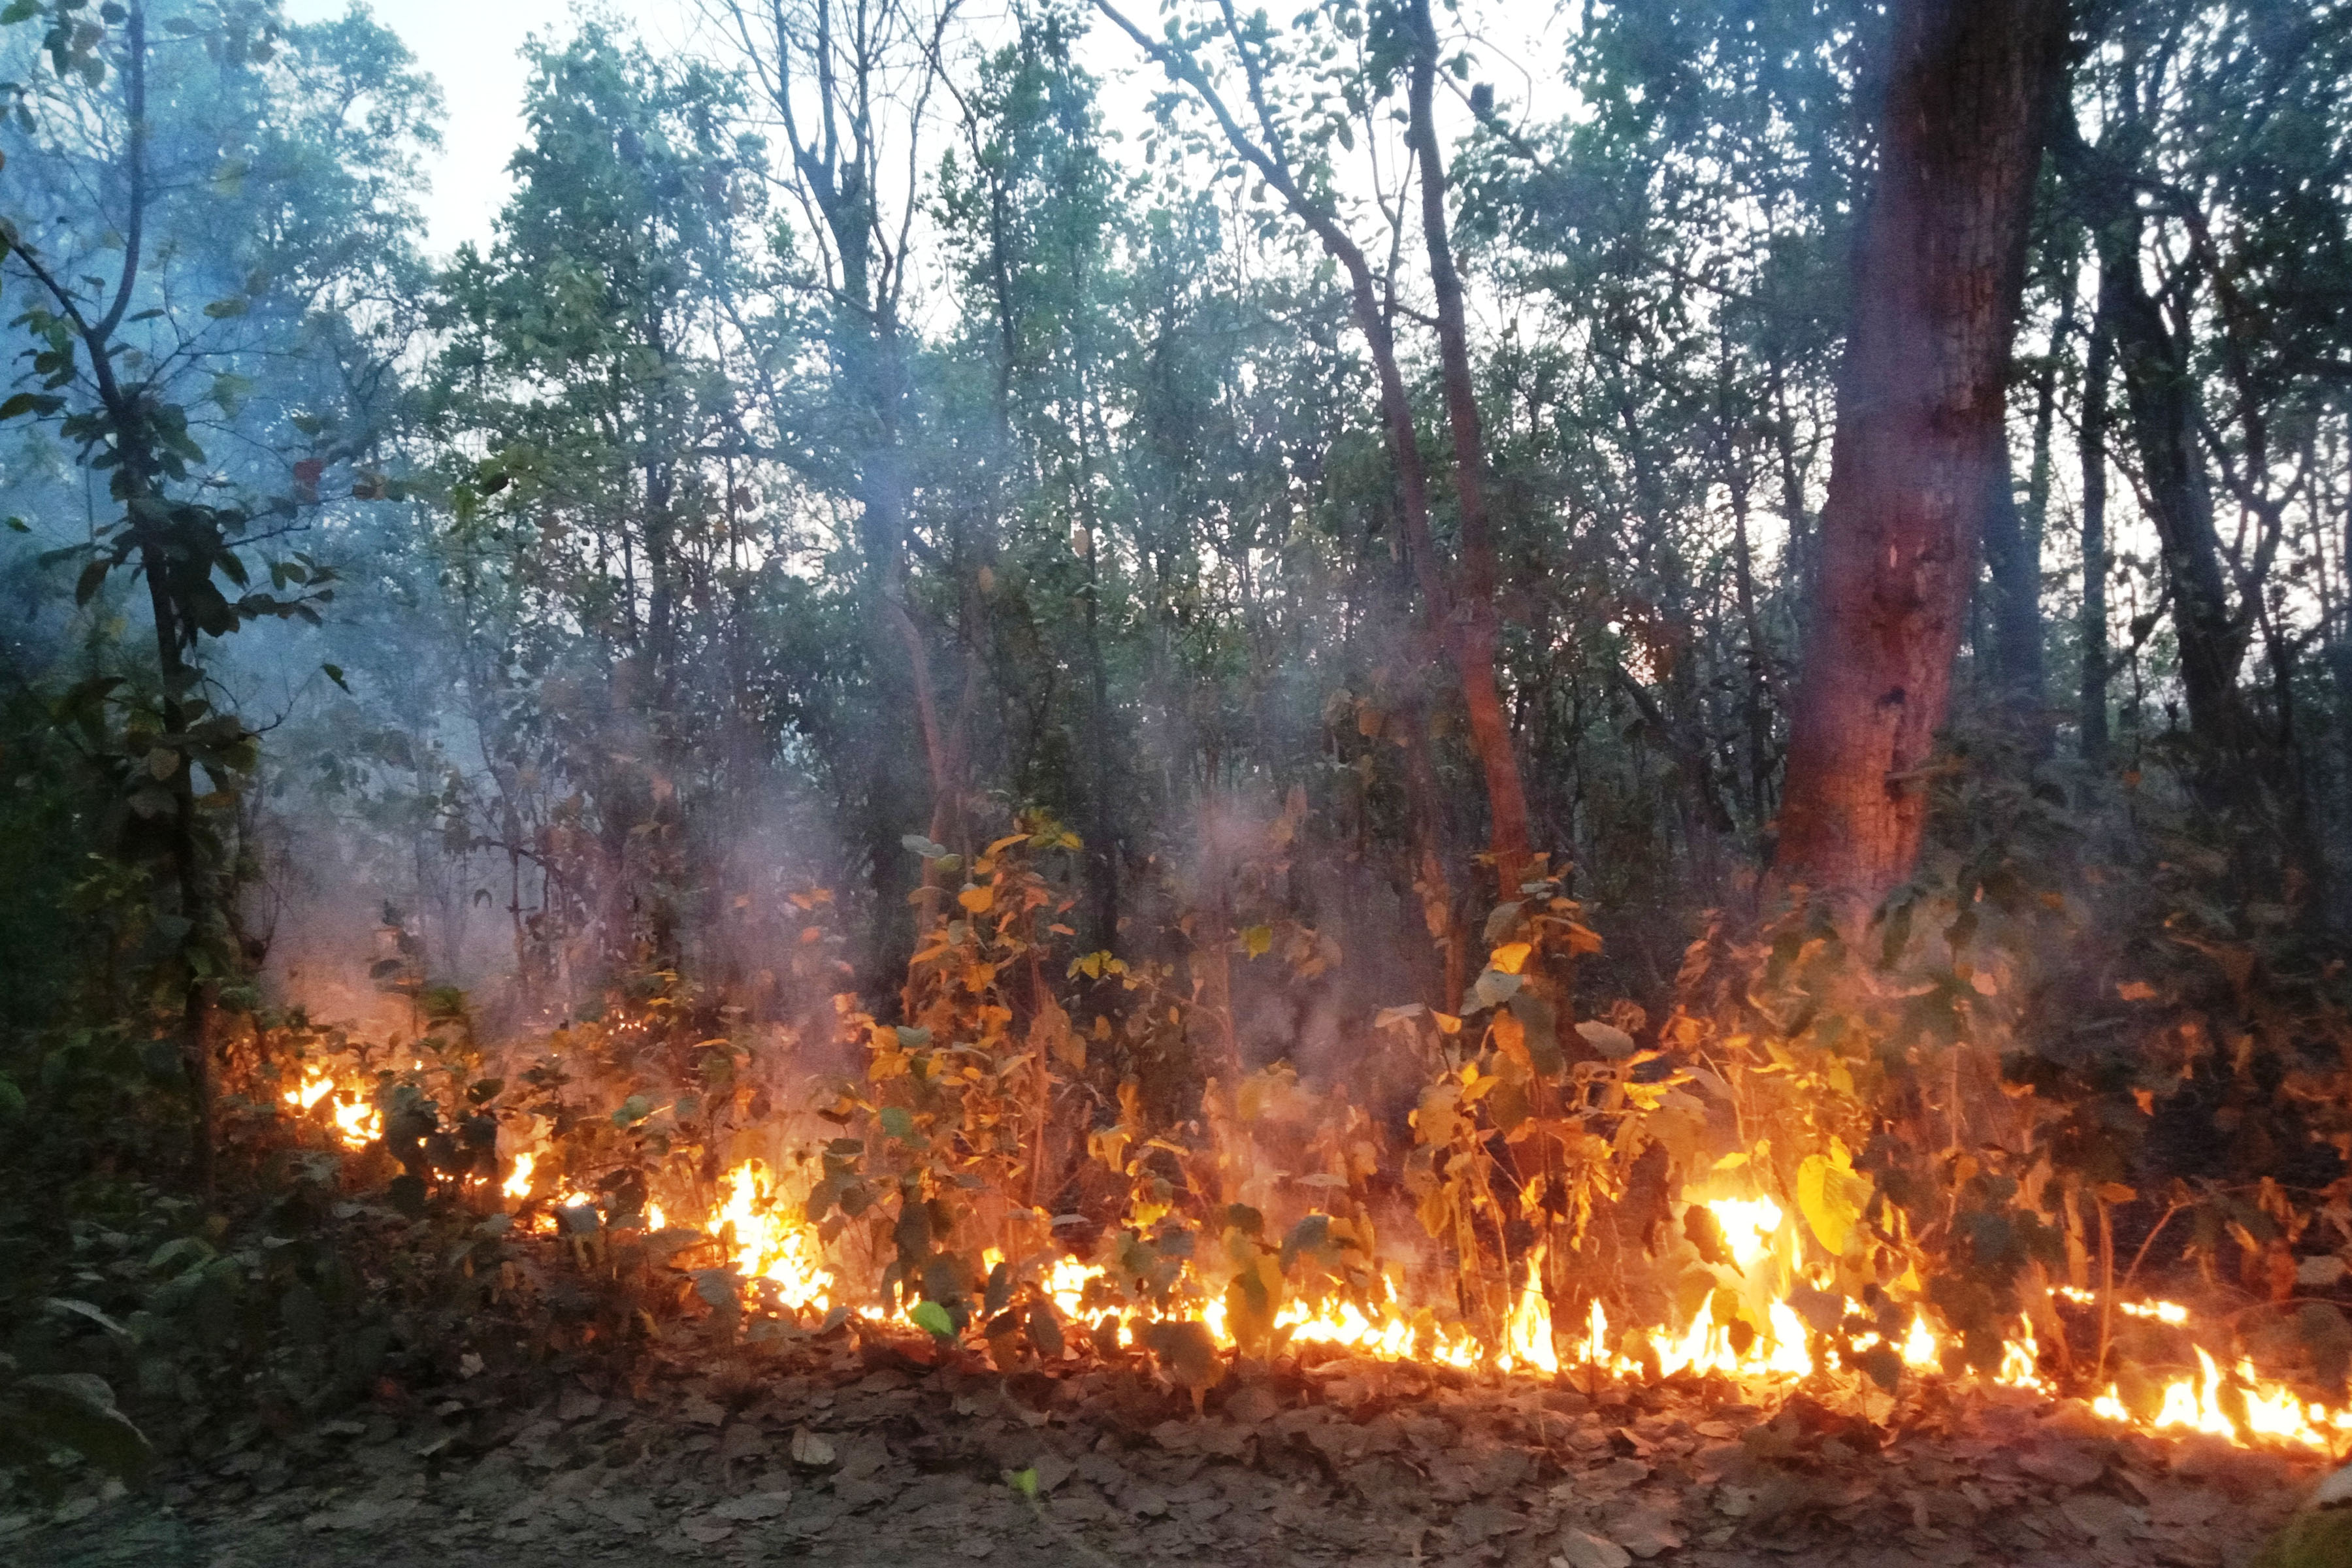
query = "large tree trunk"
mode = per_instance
[{"x": 1938, "y": 272}]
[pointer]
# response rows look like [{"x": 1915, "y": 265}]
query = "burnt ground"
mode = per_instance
[{"x": 851, "y": 1456}]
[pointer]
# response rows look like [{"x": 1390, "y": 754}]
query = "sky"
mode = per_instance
[{"x": 471, "y": 48}]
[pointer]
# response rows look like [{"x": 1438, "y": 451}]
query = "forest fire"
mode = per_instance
[{"x": 1748, "y": 1331}]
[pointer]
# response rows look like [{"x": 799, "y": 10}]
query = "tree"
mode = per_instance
[
  {"x": 1938, "y": 273},
  {"x": 1459, "y": 606},
  {"x": 842, "y": 83},
  {"x": 237, "y": 223},
  {"x": 586, "y": 360}
]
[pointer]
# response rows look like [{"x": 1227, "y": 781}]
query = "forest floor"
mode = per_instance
[{"x": 847, "y": 1455}]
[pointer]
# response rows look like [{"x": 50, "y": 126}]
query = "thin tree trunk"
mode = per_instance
[
  {"x": 2013, "y": 555},
  {"x": 1938, "y": 274},
  {"x": 2095, "y": 370},
  {"x": 1475, "y": 607}
]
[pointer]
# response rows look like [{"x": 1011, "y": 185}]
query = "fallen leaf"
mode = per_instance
[
  {"x": 2063, "y": 1464},
  {"x": 1581, "y": 1548},
  {"x": 810, "y": 1449},
  {"x": 752, "y": 1506},
  {"x": 1645, "y": 1532},
  {"x": 2103, "y": 1518},
  {"x": 1052, "y": 1471}
]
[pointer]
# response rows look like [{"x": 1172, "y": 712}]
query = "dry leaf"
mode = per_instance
[{"x": 1581, "y": 1548}]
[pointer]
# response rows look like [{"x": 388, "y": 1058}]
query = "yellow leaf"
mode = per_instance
[
  {"x": 1447, "y": 1024},
  {"x": 977, "y": 900},
  {"x": 1832, "y": 1196},
  {"x": 1511, "y": 956}
]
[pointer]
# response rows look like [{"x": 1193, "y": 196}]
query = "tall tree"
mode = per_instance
[
  {"x": 1938, "y": 273},
  {"x": 1293, "y": 160},
  {"x": 192, "y": 209},
  {"x": 843, "y": 83}
]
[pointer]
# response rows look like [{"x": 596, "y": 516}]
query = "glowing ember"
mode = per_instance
[
  {"x": 518, "y": 1182},
  {"x": 2172, "y": 1313}
]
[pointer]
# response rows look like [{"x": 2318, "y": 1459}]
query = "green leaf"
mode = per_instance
[
  {"x": 18, "y": 526},
  {"x": 933, "y": 1316},
  {"x": 334, "y": 672},
  {"x": 222, "y": 310},
  {"x": 1257, "y": 941},
  {"x": 1024, "y": 1482},
  {"x": 1606, "y": 1038},
  {"x": 12, "y": 1098},
  {"x": 76, "y": 1409},
  {"x": 1492, "y": 989},
  {"x": 1046, "y": 1329},
  {"x": 1542, "y": 1032},
  {"x": 72, "y": 1306},
  {"x": 898, "y": 1123},
  {"x": 30, "y": 403},
  {"x": 634, "y": 1108}
]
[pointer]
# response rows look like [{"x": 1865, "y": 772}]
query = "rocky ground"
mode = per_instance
[{"x": 850, "y": 1454}]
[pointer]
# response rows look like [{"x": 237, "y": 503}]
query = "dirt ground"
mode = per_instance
[{"x": 850, "y": 1457}]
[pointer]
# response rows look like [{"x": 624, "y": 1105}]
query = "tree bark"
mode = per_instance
[{"x": 1938, "y": 274}]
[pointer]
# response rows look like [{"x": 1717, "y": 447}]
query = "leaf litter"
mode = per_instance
[{"x": 838, "y": 1453}]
